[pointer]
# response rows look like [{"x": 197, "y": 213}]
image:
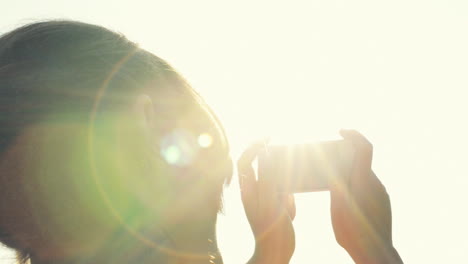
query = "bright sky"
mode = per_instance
[{"x": 299, "y": 71}]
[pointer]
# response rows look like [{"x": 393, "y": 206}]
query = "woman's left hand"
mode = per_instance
[{"x": 270, "y": 214}]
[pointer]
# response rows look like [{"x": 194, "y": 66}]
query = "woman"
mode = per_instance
[{"x": 101, "y": 160}]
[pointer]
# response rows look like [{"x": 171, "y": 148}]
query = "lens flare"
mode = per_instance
[
  {"x": 172, "y": 154},
  {"x": 129, "y": 220},
  {"x": 205, "y": 140},
  {"x": 179, "y": 148}
]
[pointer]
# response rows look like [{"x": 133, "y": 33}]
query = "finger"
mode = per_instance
[
  {"x": 291, "y": 206},
  {"x": 362, "y": 145},
  {"x": 287, "y": 205},
  {"x": 362, "y": 156},
  {"x": 353, "y": 135},
  {"x": 246, "y": 173},
  {"x": 268, "y": 193},
  {"x": 244, "y": 164},
  {"x": 263, "y": 189}
]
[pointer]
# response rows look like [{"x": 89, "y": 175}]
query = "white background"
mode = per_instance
[{"x": 300, "y": 70}]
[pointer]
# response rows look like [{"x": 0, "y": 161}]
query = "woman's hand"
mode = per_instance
[
  {"x": 361, "y": 211},
  {"x": 269, "y": 213}
]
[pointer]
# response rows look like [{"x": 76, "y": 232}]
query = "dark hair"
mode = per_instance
[
  {"x": 55, "y": 69},
  {"x": 60, "y": 67}
]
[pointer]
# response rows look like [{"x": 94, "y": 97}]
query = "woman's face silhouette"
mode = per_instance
[
  {"x": 87, "y": 158},
  {"x": 125, "y": 170}
]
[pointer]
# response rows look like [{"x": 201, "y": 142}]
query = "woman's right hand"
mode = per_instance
[
  {"x": 269, "y": 213},
  {"x": 360, "y": 208}
]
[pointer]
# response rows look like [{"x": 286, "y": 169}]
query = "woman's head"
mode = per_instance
[{"x": 101, "y": 143}]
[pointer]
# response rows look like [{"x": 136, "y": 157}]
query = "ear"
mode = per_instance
[{"x": 144, "y": 111}]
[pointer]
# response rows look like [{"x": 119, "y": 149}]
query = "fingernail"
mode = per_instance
[{"x": 344, "y": 131}]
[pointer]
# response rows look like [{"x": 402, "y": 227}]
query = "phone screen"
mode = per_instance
[{"x": 306, "y": 167}]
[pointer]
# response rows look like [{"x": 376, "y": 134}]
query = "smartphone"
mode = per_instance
[{"x": 306, "y": 167}]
